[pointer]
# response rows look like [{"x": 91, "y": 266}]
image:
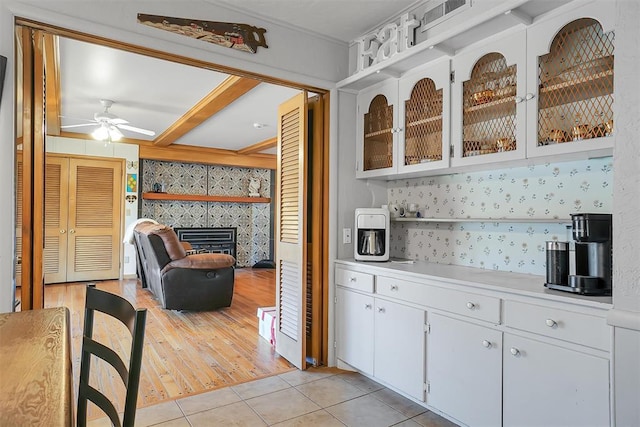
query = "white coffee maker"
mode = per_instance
[{"x": 372, "y": 234}]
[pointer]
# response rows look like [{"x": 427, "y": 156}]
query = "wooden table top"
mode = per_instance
[{"x": 36, "y": 384}]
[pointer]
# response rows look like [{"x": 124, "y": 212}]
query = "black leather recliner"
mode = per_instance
[{"x": 179, "y": 281}]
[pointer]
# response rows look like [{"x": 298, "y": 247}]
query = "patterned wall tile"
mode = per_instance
[
  {"x": 543, "y": 191},
  {"x": 180, "y": 214},
  {"x": 231, "y": 181},
  {"x": 178, "y": 178}
]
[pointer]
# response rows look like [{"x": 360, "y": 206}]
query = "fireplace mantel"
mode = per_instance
[{"x": 204, "y": 198}]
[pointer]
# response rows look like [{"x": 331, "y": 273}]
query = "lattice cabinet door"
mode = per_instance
[
  {"x": 488, "y": 108},
  {"x": 377, "y": 130},
  {"x": 571, "y": 72},
  {"x": 424, "y": 117}
]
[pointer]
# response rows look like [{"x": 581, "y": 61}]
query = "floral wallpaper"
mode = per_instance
[
  {"x": 252, "y": 220},
  {"x": 547, "y": 191}
]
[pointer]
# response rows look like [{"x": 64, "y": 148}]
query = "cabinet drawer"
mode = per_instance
[
  {"x": 354, "y": 280},
  {"x": 479, "y": 307},
  {"x": 570, "y": 326}
]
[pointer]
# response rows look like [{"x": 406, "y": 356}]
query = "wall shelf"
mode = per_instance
[
  {"x": 204, "y": 198},
  {"x": 516, "y": 220}
]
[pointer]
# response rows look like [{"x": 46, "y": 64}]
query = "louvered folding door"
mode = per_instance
[
  {"x": 291, "y": 247},
  {"x": 56, "y": 214},
  {"x": 82, "y": 219},
  {"x": 19, "y": 189}
]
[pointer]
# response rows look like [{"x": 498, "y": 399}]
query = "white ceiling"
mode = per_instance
[{"x": 153, "y": 94}]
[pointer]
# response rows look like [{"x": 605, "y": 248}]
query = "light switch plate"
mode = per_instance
[{"x": 346, "y": 235}]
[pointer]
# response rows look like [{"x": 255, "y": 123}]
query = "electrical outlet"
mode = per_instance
[{"x": 346, "y": 235}]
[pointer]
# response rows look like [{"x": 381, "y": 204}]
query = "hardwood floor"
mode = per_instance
[{"x": 185, "y": 353}]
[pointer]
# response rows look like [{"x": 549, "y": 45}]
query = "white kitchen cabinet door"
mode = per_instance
[
  {"x": 354, "y": 329},
  {"x": 570, "y": 73},
  {"x": 377, "y": 130},
  {"x": 464, "y": 363},
  {"x": 400, "y": 347},
  {"x": 424, "y": 118},
  {"x": 488, "y": 116},
  {"x": 547, "y": 385}
]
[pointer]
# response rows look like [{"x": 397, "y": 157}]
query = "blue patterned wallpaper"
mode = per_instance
[
  {"x": 252, "y": 220},
  {"x": 552, "y": 190}
]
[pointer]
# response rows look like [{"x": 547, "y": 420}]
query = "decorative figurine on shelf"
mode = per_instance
[{"x": 254, "y": 187}]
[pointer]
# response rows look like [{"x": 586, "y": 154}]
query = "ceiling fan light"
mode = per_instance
[
  {"x": 115, "y": 133},
  {"x": 101, "y": 133}
]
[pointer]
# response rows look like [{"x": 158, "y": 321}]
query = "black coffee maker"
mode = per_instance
[{"x": 593, "y": 260}]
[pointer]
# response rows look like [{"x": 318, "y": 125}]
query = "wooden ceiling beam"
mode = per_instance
[
  {"x": 260, "y": 146},
  {"x": 219, "y": 98},
  {"x": 191, "y": 154},
  {"x": 204, "y": 155},
  {"x": 88, "y": 137},
  {"x": 52, "y": 70}
]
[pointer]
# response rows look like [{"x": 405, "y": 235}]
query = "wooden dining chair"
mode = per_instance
[{"x": 134, "y": 320}]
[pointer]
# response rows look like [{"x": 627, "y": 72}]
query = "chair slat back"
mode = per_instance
[{"x": 135, "y": 320}]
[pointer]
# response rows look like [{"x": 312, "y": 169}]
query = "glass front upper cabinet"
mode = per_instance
[{"x": 573, "y": 75}]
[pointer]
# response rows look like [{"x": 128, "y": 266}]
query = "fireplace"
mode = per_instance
[{"x": 214, "y": 240}]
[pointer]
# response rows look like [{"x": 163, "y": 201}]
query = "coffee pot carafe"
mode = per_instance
[{"x": 372, "y": 241}]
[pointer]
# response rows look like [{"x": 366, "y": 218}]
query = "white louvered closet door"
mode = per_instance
[
  {"x": 94, "y": 219},
  {"x": 56, "y": 207},
  {"x": 291, "y": 228}
]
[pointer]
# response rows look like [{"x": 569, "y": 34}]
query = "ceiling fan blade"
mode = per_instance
[
  {"x": 137, "y": 130},
  {"x": 118, "y": 121},
  {"x": 77, "y": 126}
]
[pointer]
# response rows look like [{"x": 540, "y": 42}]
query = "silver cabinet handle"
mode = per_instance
[
  {"x": 381, "y": 310},
  {"x": 486, "y": 344},
  {"x": 471, "y": 306},
  {"x": 394, "y": 287},
  {"x": 551, "y": 323},
  {"x": 352, "y": 279},
  {"x": 515, "y": 351},
  {"x": 519, "y": 99},
  {"x": 529, "y": 96},
  {"x": 367, "y": 306}
]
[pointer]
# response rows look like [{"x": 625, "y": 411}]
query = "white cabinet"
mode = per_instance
[
  {"x": 403, "y": 124},
  {"x": 464, "y": 370},
  {"x": 377, "y": 130},
  {"x": 424, "y": 118},
  {"x": 570, "y": 71},
  {"x": 399, "y": 347},
  {"x": 541, "y": 91},
  {"x": 355, "y": 329},
  {"x": 488, "y": 108},
  {"x": 566, "y": 371},
  {"x": 547, "y": 385},
  {"x": 489, "y": 357},
  {"x": 379, "y": 337}
]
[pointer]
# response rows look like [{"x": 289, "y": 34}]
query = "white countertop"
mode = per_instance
[{"x": 503, "y": 281}]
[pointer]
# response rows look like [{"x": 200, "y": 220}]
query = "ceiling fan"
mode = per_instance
[{"x": 109, "y": 125}]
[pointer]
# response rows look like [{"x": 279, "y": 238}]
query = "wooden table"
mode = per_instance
[{"x": 36, "y": 383}]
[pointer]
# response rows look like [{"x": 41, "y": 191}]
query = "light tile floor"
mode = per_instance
[{"x": 316, "y": 397}]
